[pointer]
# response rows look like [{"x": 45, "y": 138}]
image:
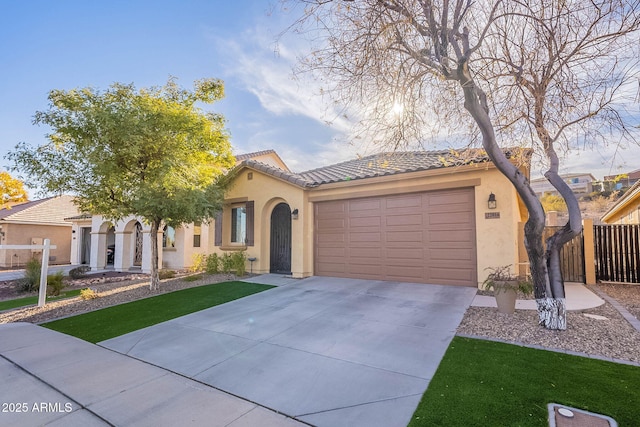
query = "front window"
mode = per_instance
[
  {"x": 197, "y": 232},
  {"x": 169, "y": 237},
  {"x": 238, "y": 225}
]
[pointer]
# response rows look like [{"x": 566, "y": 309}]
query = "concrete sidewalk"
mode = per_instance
[
  {"x": 578, "y": 298},
  {"x": 48, "y": 378}
]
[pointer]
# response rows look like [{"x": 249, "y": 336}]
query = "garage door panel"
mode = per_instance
[
  {"x": 411, "y": 254},
  {"x": 414, "y": 219},
  {"x": 333, "y": 224},
  {"x": 450, "y": 218},
  {"x": 364, "y": 237},
  {"x": 368, "y": 221},
  {"x": 364, "y": 205},
  {"x": 331, "y": 238},
  {"x": 452, "y": 236},
  {"x": 423, "y": 237},
  {"x": 404, "y": 201}
]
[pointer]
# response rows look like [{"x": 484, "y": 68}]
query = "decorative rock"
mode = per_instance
[{"x": 595, "y": 316}]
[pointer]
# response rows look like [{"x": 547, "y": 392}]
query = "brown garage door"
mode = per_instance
[{"x": 420, "y": 237}]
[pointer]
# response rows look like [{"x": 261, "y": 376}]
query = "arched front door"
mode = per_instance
[{"x": 281, "y": 239}]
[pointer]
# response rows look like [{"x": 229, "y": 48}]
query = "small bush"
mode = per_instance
[
  {"x": 239, "y": 260},
  {"x": 227, "y": 263},
  {"x": 31, "y": 280},
  {"x": 193, "y": 278},
  {"x": 55, "y": 283},
  {"x": 88, "y": 293},
  {"x": 199, "y": 263},
  {"x": 213, "y": 264},
  {"x": 79, "y": 272},
  {"x": 166, "y": 274}
]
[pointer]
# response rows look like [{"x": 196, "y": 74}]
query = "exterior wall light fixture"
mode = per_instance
[{"x": 492, "y": 203}]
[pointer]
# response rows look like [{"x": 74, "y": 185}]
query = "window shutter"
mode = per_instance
[
  {"x": 217, "y": 239},
  {"x": 249, "y": 208}
]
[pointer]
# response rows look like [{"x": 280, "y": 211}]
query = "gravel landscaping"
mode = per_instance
[{"x": 612, "y": 337}]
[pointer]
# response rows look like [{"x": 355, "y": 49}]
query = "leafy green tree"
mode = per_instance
[
  {"x": 151, "y": 153},
  {"x": 11, "y": 190}
]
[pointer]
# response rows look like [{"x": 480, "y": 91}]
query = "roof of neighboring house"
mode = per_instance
[
  {"x": 565, "y": 176},
  {"x": 631, "y": 195},
  {"x": 51, "y": 210},
  {"x": 78, "y": 217},
  {"x": 382, "y": 164}
]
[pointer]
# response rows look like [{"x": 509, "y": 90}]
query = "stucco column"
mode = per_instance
[
  {"x": 589, "y": 252},
  {"x": 122, "y": 256},
  {"x": 76, "y": 244},
  {"x": 98, "y": 259}
]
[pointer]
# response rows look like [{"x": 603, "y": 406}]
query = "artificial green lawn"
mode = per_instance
[
  {"x": 21, "y": 302},
  {"x": 483, "y": 383},
  {"x": 121, "y": 319}
]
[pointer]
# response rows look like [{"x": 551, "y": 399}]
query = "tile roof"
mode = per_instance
[
  {"x": 247, "y": 156},
  {"x": 382, "y": 164},
  {"x": 51, "y": 210}
]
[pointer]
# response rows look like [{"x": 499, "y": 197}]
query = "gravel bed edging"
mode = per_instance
[
  {"x": 621, "y": 309},
  {"x": 555, "y": 350}
]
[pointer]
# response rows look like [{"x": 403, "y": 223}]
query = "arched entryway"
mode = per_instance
[{"x": 281, "y": 239}]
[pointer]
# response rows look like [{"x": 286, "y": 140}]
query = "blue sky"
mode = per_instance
[{"x": 66, "y": 44}]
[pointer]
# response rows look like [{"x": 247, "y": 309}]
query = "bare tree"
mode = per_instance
[{"x": 532, "y": 74}]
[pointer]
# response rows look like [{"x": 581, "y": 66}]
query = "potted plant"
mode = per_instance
[{"x": 505, "y": 286}]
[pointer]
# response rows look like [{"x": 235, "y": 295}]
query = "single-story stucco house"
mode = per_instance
[
  {"x": 421, "y": 216},
  {"x": 29, "y": 223}
]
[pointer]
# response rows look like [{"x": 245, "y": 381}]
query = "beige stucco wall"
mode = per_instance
[
  {"x": 497, "y": 238},
  {"x": 22, "y": 234},
  {"x": 627, "y": 214},
  {"x": 266, "y": 192}
]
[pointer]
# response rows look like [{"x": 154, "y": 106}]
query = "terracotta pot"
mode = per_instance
[{"x": 506, "y": 300}]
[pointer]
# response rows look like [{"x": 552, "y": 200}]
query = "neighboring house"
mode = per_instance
[
  {"x": 30, "y": 223},
  {"x": 416, "y": 216},
  {"x": 626, "y": 210},
  {"x": 623, "y": 182},
  {"x": 125, "y": 245},
  {"x": 580, "y": 184}
]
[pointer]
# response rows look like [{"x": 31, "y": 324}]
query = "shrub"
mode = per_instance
[
  {"x": 239, "y": 260},
  {"x": 79, "y": 272},
  {"x": 227, "y": 263},
  {"x": 199, "y": 263},
  {"x": 166, "y": 274},
  {"x": 192, "y": 278},
  {"x": 31, "y": 280},
  {"x": 213, "y": 264},
  {"x": 88, "y": 293},
  {"x": 55, "y": 283}
]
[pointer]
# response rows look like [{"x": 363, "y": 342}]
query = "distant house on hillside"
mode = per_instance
[
  {"x": 626, "y": 182},
  {"x": 580, "y": 183},
  {"x": 627, "y": 209},
  {"x": 32, "y": 222}
]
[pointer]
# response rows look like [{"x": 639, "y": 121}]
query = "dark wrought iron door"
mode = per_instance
[
  {"x": 281, "y": 239},
  {"x": 137, "y": 257}
]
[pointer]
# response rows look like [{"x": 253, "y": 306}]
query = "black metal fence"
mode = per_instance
[{"x": 617, "y": 252}]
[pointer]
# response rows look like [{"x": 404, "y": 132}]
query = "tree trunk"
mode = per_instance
[
  {"x": 551, "y": 310},
  {"x": 155, "y": 280}
]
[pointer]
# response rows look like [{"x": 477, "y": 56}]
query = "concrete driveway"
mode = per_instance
[{"x": 325, "y": 351}]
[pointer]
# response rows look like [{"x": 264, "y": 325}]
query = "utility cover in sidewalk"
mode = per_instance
[{"x": 564, "y": 416}]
